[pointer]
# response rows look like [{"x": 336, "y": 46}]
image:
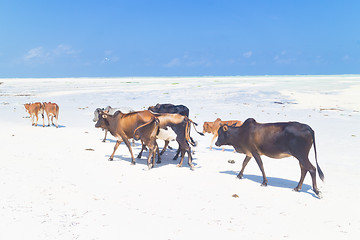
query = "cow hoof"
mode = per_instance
[
  {"x": 103, "y": 140},
  {"x": 178, "y": 165},
  {"x": 150, "y": 166},
  {"x": 158, "y": 161},
  {"x": 191, "y": 167},
  {"x": 110, "y": 159},
  {"x": 132, "y": 163},
  {"x": 239, "y": 176},
  {"x": 296, "y": 189},
  {"x": 318, "y": 193},
  {"x": 264, "y": 184}
]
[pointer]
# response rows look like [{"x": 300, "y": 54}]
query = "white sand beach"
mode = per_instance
[{"x": 57, "y": 183}]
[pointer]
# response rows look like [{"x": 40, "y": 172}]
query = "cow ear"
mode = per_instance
[
  {"x": 225, "y": 128},
  {"x": 104, "y": 116}
]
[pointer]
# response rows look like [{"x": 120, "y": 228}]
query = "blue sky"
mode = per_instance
[{"x": 178, "y": 38}]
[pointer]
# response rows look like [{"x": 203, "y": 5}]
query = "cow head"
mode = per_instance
[
  {"x": 102, "y": 121},
  {"x": 222, "y": 135},
  {"x": 207, "y": 127},
  {"x": 27, "y": 105}
]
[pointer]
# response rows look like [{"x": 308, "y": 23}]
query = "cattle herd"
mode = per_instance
[{"x": 170, "y": 122}]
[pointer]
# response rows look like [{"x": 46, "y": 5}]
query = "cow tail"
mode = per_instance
[
  {"x": 321, "y": 174},
  {"x": 195, "y": 124},
  {"x": 136, "y": 134},
  {"x": 187, "y": 132}
]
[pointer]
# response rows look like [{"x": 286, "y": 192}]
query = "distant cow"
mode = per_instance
[
  {"x": 111, "y": 111},
  {"x": 52, "y": 109},
  {"x": 123, "y": 126},
  {"x": 34, "y": 109},
  {"x": 213, "y": 127},
  {"x": 275, "y": 140}
]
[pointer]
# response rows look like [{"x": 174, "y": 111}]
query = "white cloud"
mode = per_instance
[
  {"x": 188, "y": 61},
  {"x": 248, "y": 54},
  {"x": 173, "y": 63},
  {"x": 35, "y": 53},
  {"x": 42, "y": 55}
]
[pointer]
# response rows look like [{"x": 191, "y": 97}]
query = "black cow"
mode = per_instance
[
  {"x": 275, "y": 140},
  {"x": 170, "y": 108}
]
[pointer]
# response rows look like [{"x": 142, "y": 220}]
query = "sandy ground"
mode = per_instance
[{"x": 58, "y": 183}]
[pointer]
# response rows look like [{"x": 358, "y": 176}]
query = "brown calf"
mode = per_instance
[
  {"x": 52, "y": 109},
  {"x": 34, "y": 109},
  {"x": 213, "y": 127}
]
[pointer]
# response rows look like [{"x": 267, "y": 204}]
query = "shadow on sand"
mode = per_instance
[{"x": 275, "y": 182}]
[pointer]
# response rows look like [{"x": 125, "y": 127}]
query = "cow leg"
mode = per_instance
[
  {"x": 212, "y": 140},
  {"x": 42, "y": 115},
  {"x": 32, "y": 120},
  {"x": 245, "y": 162},
  {"x": 261, "y": 166},
  {"x": 143, "y": 147},
  {"x": 105, "y": 135},
  {"x": 190, "y": 159},
  {"x": 181, "y": 159},
  {"x": 115, "y": 147},
  {"x": 164, "y": 148},
  {"x": 57, "y": 125},
  {"x": 177, "y": 153},
  {"x": 130, "y": 150},
  {"x": 309, "y": 167},
  {"x": 48, "y": 117},
  {"x": 303, "y": 174},
  {"x": 52, "y": 120},
  {"x": 37, "y": 119},
  {"x": 151, "y": 154},
  {"x": 158, "y": 154}
]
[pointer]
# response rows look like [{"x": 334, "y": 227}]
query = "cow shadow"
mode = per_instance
[
  {"x": 274, "y": 182},
  {"x": 46, "y": 126},
  {"x": 220, "y": 149}
]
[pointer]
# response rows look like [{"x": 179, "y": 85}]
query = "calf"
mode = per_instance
[
  {"x": 111, "y": 111},
  {"x": 52, "y": 109},
  {"x": 34, "y": 109},
  {"x": 213, "y": 127},
  {"x": 122, "y": 126},
  {"x": 275, "y": 140}
]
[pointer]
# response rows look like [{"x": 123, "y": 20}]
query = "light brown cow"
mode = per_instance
[
  {"x": 52, "y": 109},
  {"x": 213, "y": 127},
  {"x": 123, "y": 126},
  {"x": 34, "y": 109}
]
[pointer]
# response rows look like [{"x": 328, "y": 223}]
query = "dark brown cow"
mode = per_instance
[
  {"x": 34, "y": 109},
  {"x": 213, "y": 127},
  {"x": 122, "y": 126},
  {"x": 275, "y": 140},
  {"x": 147, "y": 134},
  {"x": 52, "y": 109},
  {"x": 179, "y": 128}
]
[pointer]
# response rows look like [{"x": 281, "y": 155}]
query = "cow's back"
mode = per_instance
[
  {"x": 129, "y": 122},
  {"x": 279, "y": 140}
]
